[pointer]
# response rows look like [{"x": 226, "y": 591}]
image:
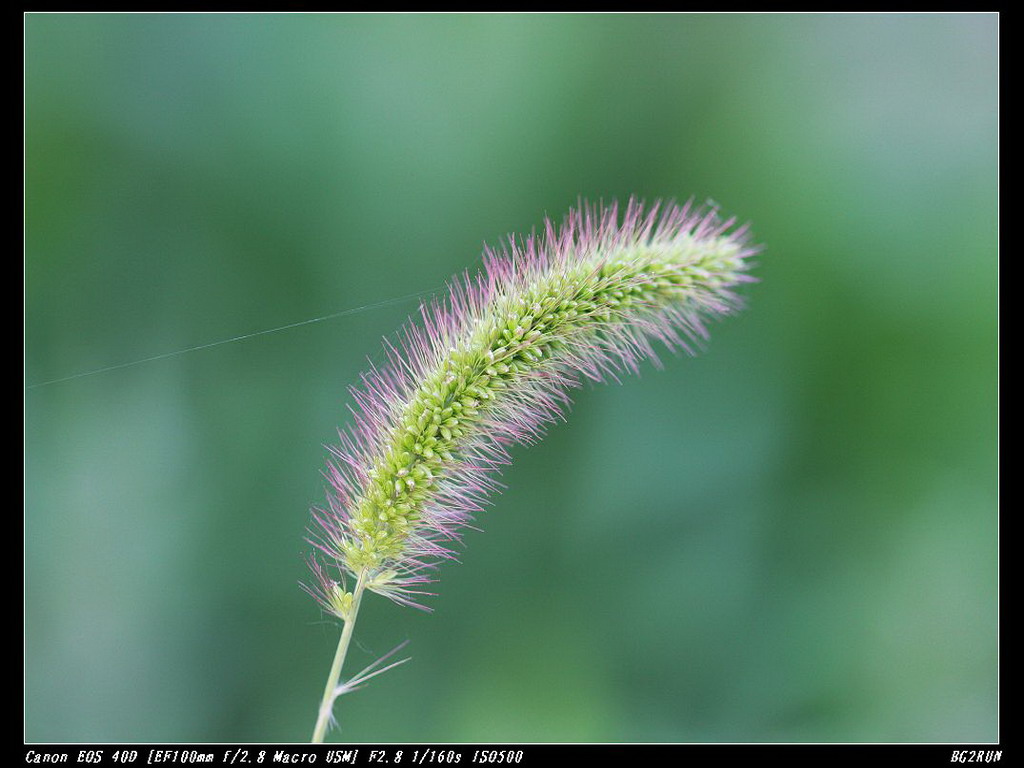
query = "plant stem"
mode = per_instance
[{"x": 327, "y": 703}]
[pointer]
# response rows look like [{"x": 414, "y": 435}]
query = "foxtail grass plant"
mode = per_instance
[{"x": 487, "y": 367}]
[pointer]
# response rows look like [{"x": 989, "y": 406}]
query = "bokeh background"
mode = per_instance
[{"x": 792, "y": 537}]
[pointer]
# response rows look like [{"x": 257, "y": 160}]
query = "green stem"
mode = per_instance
[{"x": 327, "y": 703}]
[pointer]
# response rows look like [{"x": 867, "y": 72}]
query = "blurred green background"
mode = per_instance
[{"x": 792, "y": 537}]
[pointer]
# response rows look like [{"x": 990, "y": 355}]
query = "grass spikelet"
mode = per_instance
[{"x": 488, "y": 366}]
